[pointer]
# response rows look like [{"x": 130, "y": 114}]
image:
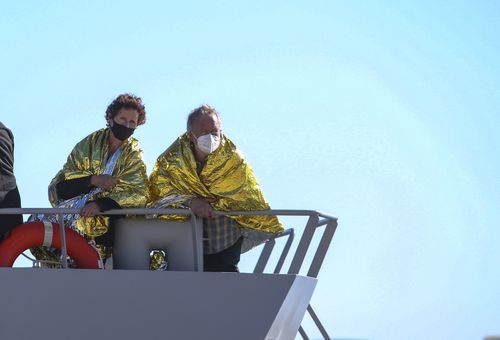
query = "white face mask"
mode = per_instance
[{"x": 207, "y": 143}]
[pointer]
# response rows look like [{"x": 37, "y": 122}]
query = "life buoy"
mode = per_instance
[{"x": 34, "y": 234}]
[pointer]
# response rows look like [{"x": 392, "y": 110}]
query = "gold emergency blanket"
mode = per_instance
[
  {"x": 226, "y": 177},
  {"x": 89, "y": 157}
]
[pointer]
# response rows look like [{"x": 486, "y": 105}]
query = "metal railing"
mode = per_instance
[
  {"x": 268, "y": 248},
  {"x": 60, "y": 212},
  {"x": 315, "y": 220}
]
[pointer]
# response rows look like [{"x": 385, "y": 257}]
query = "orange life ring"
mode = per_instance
[{"x": 34, "y": 234}]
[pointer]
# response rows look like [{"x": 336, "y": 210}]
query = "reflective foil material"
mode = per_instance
[
  {"x": 226, "y": 177},
  {"x": 158, "y": 260},
  {"x": 89, "y": 157}
]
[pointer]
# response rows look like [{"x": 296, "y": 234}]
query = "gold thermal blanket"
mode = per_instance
[
  {"x": 226, "y": 177},
  {"x": 89, "y": 157}
]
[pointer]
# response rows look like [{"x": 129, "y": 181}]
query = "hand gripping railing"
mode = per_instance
[{"x": 312, "y": 224}]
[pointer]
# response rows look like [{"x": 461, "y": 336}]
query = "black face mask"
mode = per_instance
[{"x": 121, "y": 131}]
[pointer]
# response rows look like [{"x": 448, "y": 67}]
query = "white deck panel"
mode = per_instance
[{"x": 132, "y": 304}]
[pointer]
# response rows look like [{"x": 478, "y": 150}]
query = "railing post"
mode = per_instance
[
  {"x": 318, "y": 323},
  {"x": 304, "y": 243},
  {"x": 303, "y": 333},
  {"x": 264, "y": 256},
  {"x": 286, "y": 249},
  {"x": 320, "y": 254},
  {"x": 196, "y": 237},
  {"x": 64, "y": 251}
]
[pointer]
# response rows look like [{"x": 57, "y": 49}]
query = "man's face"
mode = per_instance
[{"x": 204, "y": 125}]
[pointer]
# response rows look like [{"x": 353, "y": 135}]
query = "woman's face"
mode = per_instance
[{"x": 125, "y": 117}]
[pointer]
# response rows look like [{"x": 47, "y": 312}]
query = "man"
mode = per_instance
[
  {"x": 9, "y": 194},
  {"x": 205, "y": 171}
]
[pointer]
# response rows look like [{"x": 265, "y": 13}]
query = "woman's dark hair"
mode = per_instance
[{"x": 127, "y": 101}]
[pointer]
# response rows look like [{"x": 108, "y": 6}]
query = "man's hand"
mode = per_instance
[
  {"x": 105, "y": 182},
  {"x": 90, "y": 209},
  {"x": 202, "y": 208}
]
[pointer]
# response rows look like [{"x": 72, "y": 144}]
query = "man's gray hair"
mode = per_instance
[{"x": 204, "y": 110}]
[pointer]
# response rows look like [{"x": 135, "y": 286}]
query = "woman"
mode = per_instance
[
  {"x": 9, "y": 194},
  {"x": 104, "y": 171}
]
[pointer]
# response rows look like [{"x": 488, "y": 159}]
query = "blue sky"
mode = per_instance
[{"x": 382, "y": 113}]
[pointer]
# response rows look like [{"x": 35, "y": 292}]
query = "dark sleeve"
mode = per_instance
[
  {"x": 106, "y": 203},
  {"x": 73, "y": 187},
  {"x": 6, "y": 153}
]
